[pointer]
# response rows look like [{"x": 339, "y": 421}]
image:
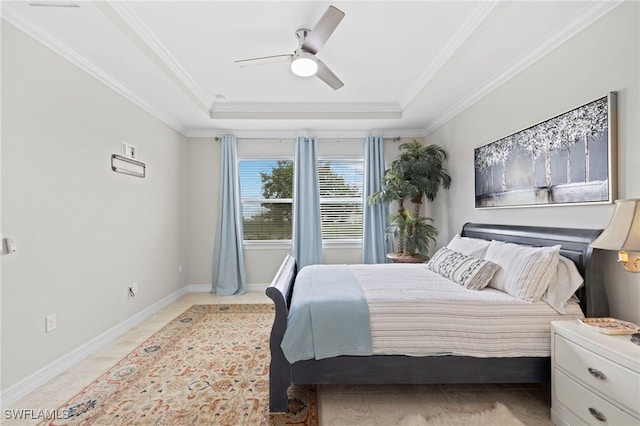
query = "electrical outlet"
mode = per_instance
[
  {"x": 50, "y": 323},
  {"x": 132, "y": 290}
]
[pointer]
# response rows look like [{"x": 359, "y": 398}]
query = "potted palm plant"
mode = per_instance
[{"x": 417, "y": 173}]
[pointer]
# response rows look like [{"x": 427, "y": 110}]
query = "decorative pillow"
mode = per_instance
[
  {"x": 474, "y": 247},
  {"x": 470, "y": 272},
  {"x": 525, "y": 272},
  {"x": 565, "y": 283}
]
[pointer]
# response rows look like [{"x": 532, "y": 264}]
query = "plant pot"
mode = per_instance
[{"x": 407, "y": 258}]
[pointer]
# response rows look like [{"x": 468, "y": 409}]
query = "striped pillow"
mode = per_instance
[
  {"x": 474, "y": 247},
  {"x": 525, "y": 272},
  {"x": 467, "y": 271}
]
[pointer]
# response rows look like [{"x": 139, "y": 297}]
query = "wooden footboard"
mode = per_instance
[{"x": 280, "y": 292}]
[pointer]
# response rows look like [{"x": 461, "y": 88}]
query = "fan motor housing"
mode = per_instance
[{"x": 302, "y": 33}]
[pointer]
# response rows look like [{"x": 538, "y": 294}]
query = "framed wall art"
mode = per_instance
[{"x": 567, "y": 159}]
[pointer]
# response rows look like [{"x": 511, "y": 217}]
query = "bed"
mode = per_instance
[{"x": 403, "y": 369}]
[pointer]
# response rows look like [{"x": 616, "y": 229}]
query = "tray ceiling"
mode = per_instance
[{"x": 408, "y": 67}]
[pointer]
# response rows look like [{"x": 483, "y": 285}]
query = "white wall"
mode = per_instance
[
  {"x": 203, "y": 183},
  {"x": 83, "y": 232},
  {"x": 600, "y": 59}
]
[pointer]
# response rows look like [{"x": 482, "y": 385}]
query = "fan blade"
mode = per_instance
[
  {"x": 326, "y": 75},
  {"x": 323, "y": 30},
  {"x": 264, "y": 60}
]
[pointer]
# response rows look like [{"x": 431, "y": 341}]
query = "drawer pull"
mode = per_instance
[
  {"x": 597, "y": 414},
  {"x": 597, "y": 373}
]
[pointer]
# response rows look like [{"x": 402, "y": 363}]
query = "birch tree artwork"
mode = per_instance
[{"x": 562, "y": 160}]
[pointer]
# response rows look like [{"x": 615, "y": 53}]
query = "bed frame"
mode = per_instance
[{"x": 399, "y": 369}]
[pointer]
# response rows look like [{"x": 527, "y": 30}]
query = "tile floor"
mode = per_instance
[{"x": 338, "y": 405}]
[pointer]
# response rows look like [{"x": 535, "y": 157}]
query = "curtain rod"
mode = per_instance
[{"x": 396, "y": 139}]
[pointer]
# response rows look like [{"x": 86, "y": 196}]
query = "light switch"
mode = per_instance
[{"x": 10, "y": 245}]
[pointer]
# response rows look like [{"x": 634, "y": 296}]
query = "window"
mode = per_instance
[
  {"x": 266, "y": 191},
  {"x": 341, "y": 198},
  {"x": 266, "y": 188}
]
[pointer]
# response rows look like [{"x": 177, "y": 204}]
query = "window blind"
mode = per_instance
[
  {"x": 341, "y": 184},
  {"x": 266, "y": 187}
]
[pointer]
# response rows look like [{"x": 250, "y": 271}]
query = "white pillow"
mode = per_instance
[
  {"x": 525, "y": 272},
  {"x": 474, "y": 247},
  {"x": 565, "y": 283},
  {"x": 469, "y": 272}
]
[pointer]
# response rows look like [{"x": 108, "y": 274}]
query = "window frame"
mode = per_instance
[
  {"x": 264, "y": 244},
  {"x": 287, "y": 244}
]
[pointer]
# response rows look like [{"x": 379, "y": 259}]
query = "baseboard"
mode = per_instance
[
  {"x": 40, "y": 377},
  {"x": 206, "y": 288},
  {"x": 199, "y": 288},
  {"x": 257, "y": 287}
]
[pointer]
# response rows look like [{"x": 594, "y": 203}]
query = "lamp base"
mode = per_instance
[{"x": 630, "y": 263}]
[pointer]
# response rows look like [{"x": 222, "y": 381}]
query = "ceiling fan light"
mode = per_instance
[{"x": 304, "y": 65}]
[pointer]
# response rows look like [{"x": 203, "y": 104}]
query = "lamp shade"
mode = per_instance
[{"x": 623, "y": 231}]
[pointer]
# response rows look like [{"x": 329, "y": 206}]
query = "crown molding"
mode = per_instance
[
  {"x": 464, "y": 32},
  {"x": 292, "y": 134},
  {"x": 125, "y": 18},
  {"x": 13, "y": 15},
  {"x": 596, "y": 10},
  {"x": 294, "y": 111}
]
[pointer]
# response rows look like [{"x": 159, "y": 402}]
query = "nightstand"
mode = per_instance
[{"x": 595, "y": 378}]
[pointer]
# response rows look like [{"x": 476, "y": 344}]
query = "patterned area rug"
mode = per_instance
[{"x": 208, "y": 366}]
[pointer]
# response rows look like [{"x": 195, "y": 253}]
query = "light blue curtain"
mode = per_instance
[
  {"x": 374, "y": 244},
  {"x": 228, "y": 258},
  {"x": 307, "y": 230}
]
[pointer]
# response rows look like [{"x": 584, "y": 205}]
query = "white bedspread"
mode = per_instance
[{"x": 417, "y": 312}]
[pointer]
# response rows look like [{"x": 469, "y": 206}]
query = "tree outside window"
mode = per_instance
[{"x": 266, "y": 188}]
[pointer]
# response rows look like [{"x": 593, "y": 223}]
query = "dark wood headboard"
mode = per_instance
[{"x": 575, "y": 244}]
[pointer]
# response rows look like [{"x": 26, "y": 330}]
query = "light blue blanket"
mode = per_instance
[{"x": 328, "y": 316}]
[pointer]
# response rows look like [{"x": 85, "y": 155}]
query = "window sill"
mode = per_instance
[
  {"x": 287, "y": 245},
  {"x": 267, "y": 244},
  {"x": 343, "y": 244}
]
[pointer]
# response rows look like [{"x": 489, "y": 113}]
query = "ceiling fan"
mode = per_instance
[{"x": 303, "y": 60}]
